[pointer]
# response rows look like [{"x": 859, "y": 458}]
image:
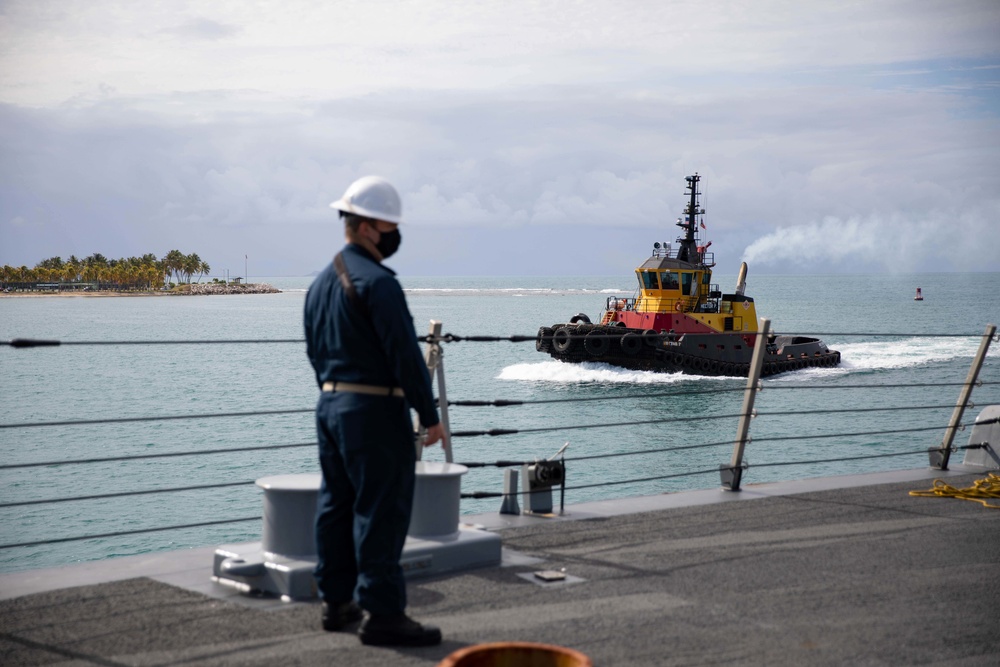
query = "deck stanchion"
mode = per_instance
[
  {"x": 939, "y": 456},
  {"x": 733, "y": 473},
  {"x": 435, "y": 365}
]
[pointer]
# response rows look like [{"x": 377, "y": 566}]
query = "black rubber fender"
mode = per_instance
[
  {"x": 563, "y": 341},
  {"x": 579, "y": 317},
  {"x": 631, "y": 343},
  {"x": 544, "y": 341},
  {"x": 651, "y": 337},
  {"x": 597, "y": 343}
]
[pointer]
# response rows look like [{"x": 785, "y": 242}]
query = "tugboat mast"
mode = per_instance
[{"x": 688, "y": 251}]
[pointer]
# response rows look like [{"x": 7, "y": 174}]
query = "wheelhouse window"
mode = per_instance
[
  {"x": 648, "y": 280},
  {"x": 687, "y": 280},
  {"x": 668, "y": 279}
]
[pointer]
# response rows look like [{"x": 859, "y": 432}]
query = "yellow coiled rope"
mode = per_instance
[{"x": 980, "y": 491}]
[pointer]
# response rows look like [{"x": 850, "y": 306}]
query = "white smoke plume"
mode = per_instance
[{"x": 893, "y": 243}]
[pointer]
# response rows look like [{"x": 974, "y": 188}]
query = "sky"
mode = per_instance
[{"x": 525, "y": 138}]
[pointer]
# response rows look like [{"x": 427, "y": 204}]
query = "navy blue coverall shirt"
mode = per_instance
[{"x": 366, "y": 446}]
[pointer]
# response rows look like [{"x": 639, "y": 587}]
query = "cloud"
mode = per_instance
[
  {"x": 53, "y": 52},
  {"x": 534, "y": 129},
  {"x": 202, "y": 29},
  {"x": 559, "y": 166}
]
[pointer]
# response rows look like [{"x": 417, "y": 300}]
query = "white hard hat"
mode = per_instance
[{"x": 371, "y": 197}]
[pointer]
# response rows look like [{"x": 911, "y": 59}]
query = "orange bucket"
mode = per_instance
[{"x": 516, "y": 654}]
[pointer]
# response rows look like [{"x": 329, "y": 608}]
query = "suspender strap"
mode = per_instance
[{"x": 348, "y": 284}]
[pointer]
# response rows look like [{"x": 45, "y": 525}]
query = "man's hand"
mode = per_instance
[{"x": 434, "y": 434}]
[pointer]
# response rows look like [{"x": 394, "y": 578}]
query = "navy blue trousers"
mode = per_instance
[{"x": 367, "y": 456}]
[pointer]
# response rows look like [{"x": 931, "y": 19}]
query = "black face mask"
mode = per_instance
[{"x": 388, "y": 243}]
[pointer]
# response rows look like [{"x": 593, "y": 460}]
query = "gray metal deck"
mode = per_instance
[{"x": 834, "y": 571}]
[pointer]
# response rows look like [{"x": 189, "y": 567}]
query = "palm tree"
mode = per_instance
[
  {"x": 131, "y": 276},
  {"x": 71, "y": 271},
  {"x": 96, "y": 259},
  {"x": 191, "y": 265},
  {"x": 152, "y": 274},
  {"x": 173, "y": 263},
  {"x": 203, "y": 268}
]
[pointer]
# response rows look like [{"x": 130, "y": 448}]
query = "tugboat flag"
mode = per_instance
[{"x": 703, "y": 225}]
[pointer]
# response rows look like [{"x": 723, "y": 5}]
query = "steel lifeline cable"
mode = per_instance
[
  {"x": 445, "y": 338},
  {"x": 980, "y": 492}
]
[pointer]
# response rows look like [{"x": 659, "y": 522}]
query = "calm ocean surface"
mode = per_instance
[{"x": 94, "y": 382}]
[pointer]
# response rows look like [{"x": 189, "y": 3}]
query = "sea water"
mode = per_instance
[{"x": 623, "y": 412}]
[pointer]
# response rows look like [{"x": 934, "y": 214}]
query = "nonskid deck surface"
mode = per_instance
[{"x": 861, "y": 575}]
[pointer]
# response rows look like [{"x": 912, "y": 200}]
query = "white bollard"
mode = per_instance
[
  {"x": 436, "y": 497},
  {"x": 289, "y": 514}
]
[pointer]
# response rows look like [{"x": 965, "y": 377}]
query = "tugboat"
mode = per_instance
[{"x": 679, "y": 321}]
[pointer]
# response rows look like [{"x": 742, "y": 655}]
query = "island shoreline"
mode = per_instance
[{"x": 210, "y": 289}]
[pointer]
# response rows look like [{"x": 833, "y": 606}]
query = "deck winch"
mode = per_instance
[{"x": 539, "y": 478}]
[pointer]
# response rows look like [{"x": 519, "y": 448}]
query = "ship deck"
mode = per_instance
[{"x": 832, "y": 571}]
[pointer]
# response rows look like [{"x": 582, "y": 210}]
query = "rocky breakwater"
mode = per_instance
[{"x": 220, "y": 288}]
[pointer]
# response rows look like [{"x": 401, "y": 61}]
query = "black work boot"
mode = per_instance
[
  {"x": 398, "y": 630},
  {"x": 338, "y": 616}
]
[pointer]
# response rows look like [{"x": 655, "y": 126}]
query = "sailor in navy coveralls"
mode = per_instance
[{"x": 363, "y": 347}]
